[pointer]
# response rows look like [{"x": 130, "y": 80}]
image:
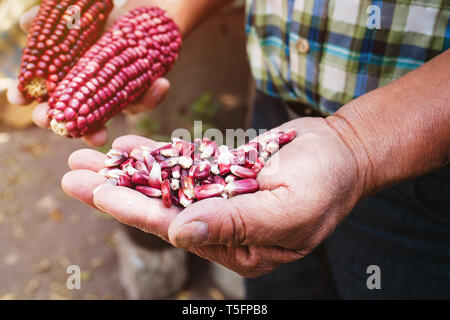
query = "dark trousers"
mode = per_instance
[{"x": 403, "y": 230}]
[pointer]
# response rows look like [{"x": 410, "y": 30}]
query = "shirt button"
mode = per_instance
[{"x": 302, "y": 45}]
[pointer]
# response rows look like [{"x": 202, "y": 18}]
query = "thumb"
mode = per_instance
[{"x": 248, "y": 219}]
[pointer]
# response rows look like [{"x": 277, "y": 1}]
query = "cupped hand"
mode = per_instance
[
  {"x": 150, "y": 100},
  {"x": 307, "y": 189}
]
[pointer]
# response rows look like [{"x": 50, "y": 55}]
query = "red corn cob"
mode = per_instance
[
  {"x": 53, "y": 46},
  {"x": 166, "y": 194},
  {"x": 116, "y": 71}
]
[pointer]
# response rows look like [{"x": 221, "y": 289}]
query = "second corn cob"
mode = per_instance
[
  {"x": 55, "y": 41},
  {"x": 141, "y": 47}
]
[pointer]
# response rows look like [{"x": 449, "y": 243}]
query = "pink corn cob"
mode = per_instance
[
  {"x": 141, "y": 47},
  {"x": 53, "y": 46}
]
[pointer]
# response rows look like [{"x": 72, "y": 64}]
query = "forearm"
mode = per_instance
[
  {"x": 402, "y": 130},
  {"x": 186, "y": 13}
]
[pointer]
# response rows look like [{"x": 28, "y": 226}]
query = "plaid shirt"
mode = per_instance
[{"x": 323, "y": 54}]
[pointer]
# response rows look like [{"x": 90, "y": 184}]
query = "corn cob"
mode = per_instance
[
  {"x": 117, "y": 70},
  {"x": 53, "y": 45},
  {"x": 182, "y": 185}
]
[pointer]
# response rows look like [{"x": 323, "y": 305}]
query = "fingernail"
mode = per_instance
[
  {"x": 192, "y": 234},
  {"x": 108, "y": 183}
]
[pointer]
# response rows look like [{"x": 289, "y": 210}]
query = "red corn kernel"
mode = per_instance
[
  {"x": 219, "y": 180},
  {"x": 183, "y": 199},
  {"x": 137, "y": 154},
  {"x": 187, "y": 185},
  {"x": 154, "y": 178},
  {"x": 141, "y": 167},
  {"x": 140, "y": 179},
  {"x": 185, "y": 162},
  {"x": 174, "y": 184},
  {"x": 208, "y": 191},
  {"x": 203, "y": 170},
  {"x": 176, "y": 172},
  {"x": 124, "y": 181},
  {"x": 237, "y": 187},
  {"x": 166, "y": 194},
  {"x": 287, "y": 137},
  {"x": 242, "y": 172}
]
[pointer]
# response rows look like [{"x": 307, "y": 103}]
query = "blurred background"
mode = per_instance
[{"x": 42, "y": 231}]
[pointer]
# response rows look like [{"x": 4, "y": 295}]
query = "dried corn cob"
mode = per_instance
[
  {"x": 140, "y": 47},
  {"x": 54, "y": 44}
]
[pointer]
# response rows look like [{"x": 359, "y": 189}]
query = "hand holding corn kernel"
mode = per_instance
[{"x": 312, "y": 177}]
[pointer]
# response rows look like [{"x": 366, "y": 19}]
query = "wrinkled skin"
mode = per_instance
[{"x": 307, "y": 188}]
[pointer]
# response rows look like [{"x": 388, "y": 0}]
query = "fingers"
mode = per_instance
[
  {"x": 129, "y": 142},
  {"x": 87, "y": 159},
  {"x": 15, "y": 97},
  {"x": 152, "y": 98},
  {"x": 80, "y": 184},
  {"x": 97, "y": 138},
  {"x": 27, "y": 18},
  {"x": 135, "y": 209},
  {"x": 242, "y": 220}
]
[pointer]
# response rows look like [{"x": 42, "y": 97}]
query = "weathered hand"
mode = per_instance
[
  {"x": 308, "y": 187},
  {"x": 151, "y": 99}
]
